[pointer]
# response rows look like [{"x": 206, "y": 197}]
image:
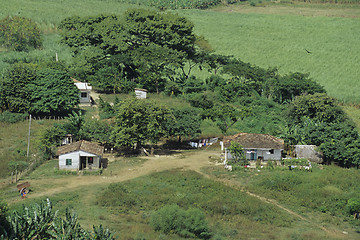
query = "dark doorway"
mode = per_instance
[{"x": 82, "y": 163}]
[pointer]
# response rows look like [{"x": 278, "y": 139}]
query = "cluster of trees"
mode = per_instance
[
  {"x": 137, "y": 123},
  {"x": 39, "y": 221},
  {"x": 317, "y": 119},
  {"x": 36, "y": 89}
]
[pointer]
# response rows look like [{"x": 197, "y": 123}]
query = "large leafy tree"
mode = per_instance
[
  {"x": 19, "y": 33},
  {"x": 15, "y": 95},
  {"x": 53, "y": 92},
  {"x": 284, "y": 89},
  {"x": 139, "y": 122},
  {"x": 186, "y": 124},
  {"x": 318, "y": 107},
  {"x": 143, "y": 46}
]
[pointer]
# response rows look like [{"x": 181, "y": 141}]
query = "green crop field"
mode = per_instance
[{"x": 281, "y": 41}]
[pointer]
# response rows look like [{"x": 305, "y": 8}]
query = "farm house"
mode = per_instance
[
  {"x": 85, "y": 91},
  {"x": 256, "y": 146},
  {"x": 80, "y": 155}
]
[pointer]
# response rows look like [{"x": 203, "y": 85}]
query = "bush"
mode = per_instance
[
  {"x": 19, "y": 33},
  {"x": 353, "y": 206},
  {"x": 12, "y": 117},
  {"x": 185, "y": 223}
]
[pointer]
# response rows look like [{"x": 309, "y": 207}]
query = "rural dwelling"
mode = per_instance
[
  {"x": 140, "y": 93},
  {"x": 256, "y": 146},
  {"x": 85, "y": 90},
  {"x": 80, "y": 155}
]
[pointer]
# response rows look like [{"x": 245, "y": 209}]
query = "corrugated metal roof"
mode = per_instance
[
  {"x": 254, "y": 140},
  {"x": 83, "y": 145}
]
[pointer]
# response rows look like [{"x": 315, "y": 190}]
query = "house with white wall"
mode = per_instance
[
  {"x": 261, "y": 147},
  {"x": 80, "y": 155},
  {"x": 85, "y": 91}
]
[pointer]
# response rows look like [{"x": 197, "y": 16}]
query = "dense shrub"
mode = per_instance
[
  {"x": 39, "y": 221},
  {"x": 353, "y": 206},
  {"x": 186, "y": 223},
  {"x": 181, "y": 4},
  {"x": 19, "y": 33},
  {"x": 12, "y": 117}
]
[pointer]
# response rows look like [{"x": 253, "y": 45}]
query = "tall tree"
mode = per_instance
[
  {"x": 139, "y": 122},
  {"x": 151, "y": 45},
  {"x": 15, "y": 95},
  {"x": 53, "y": 92}
]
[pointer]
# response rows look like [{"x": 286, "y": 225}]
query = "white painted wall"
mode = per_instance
[
  {"x": 260, "y": 153},
  {"x": 75, "y": 157}
]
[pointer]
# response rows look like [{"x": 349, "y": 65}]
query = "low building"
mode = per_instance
[
  {"x": 80, "y": 155},
  {"x": 308, "y": 152},
  {"x": 140, "y": 93},
  {"x": 85, "y": 91},
  {"x": 256, "y": 146}
]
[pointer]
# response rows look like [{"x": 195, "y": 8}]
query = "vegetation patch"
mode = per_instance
[{"x": 189, "y": 190}]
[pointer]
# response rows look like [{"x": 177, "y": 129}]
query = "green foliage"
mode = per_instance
[
  {"x": 18, "y": 166},
  {"x": 106, "y": 110},
  {"x": 186, "y": 124},
  {"x": 237, "y": 153},
  {"x": 139, "y": 122},
  {"x": 10, "y": 117},
  {"x": 19, "y": 33},
  {"x": 353, "y": 205},
  {"x": 181, "y": 4},
  {"x": 143, "y": 47},
  {"x": 40, "y": 222},
  {"x": 15, "y": 94},
  {"x": 4, "y": 225},
  {"x": 96, "y": 130},
  {"x": 318, "y": 107},
  {"x": 185, "y": 223},
  {"x": 188, "y": 189},
  {"x": 53, "y": 92},
  {"x": 326, "y": 190},
  {"x": 295, "y": 161},
  {"x": 284, "y": 89}
]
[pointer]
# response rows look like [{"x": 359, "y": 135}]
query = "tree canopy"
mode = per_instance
[
  {"x": 139, "y": 122},
  {"x": 53, "y": 92},
  {"x": 143, "y": 46}
]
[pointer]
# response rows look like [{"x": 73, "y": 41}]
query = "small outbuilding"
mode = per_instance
[
  {"x": 309, "y": 152},
  {"x": 256, "y": 146},
  {"x": 85, "y": 91},
  {"x": 80, "y": 155},
  {"x": 140, "y": 93}
]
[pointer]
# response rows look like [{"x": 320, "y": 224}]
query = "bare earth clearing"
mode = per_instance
[{"x": 185, "y": 161}]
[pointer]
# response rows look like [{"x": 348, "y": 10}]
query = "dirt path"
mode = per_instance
[{"x": 187, "y": 161}]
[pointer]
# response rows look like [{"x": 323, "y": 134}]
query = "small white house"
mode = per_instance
[
  {"x": 85, "y": 90},
  {"x": 140, "y": 93},
  {"x": 80, "y": 155},
  {"x": 261, "y": 147}
]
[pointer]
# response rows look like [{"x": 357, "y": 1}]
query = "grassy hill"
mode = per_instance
[{"x": 282, "y": 204}]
